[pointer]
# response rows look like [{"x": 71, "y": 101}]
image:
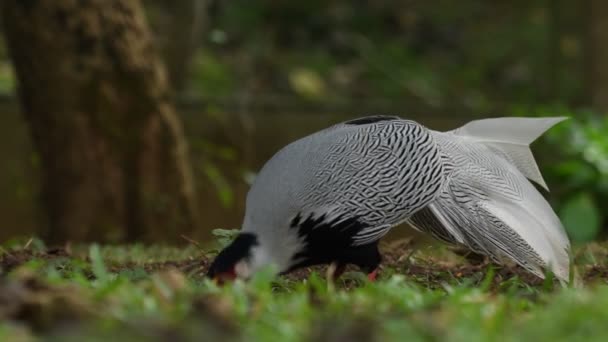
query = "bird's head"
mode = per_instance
[
  {"x": 251, "y": 252},
  {"x": 236, "y": 260}
]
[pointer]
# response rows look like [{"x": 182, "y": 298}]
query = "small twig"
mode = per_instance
[
  {"x": 28, "y": 243},
  {"x": 331, "y": 270},
  {"x": 192, "y": 241},
  {"x": 68, "y": 247},
  {"x": 408, "y": 257},
  {"x": 329, "y": 275}
]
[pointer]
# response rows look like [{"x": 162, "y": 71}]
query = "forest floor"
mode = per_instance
[{"x": 159, "y": 293}]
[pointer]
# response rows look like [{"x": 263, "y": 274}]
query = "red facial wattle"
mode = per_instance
[{"x": 224, "y": 277}]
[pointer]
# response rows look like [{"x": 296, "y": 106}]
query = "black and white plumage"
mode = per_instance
[{"x": 329, "y": 197}]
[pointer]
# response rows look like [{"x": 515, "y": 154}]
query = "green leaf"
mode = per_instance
[
  {"x": 229, "y": 233},
  {"x": 307, "y": 83},
  {"x": 97, "y": 264},
  {"x": 221, "y": 184},
  {"x": 581, "y": 218},
  {"x": 225, "y": 236}
]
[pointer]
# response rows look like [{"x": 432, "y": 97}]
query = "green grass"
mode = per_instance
[{"x": 159, "y": 293}]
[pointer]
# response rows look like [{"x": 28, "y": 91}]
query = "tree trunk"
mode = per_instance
[
  {"x": 113, "y": 157},
  {"x": 596, "y": 51},
  {"x": 178, "y": 27}
]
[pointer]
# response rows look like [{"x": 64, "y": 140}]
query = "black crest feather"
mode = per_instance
[{"x": 371, "y": 119}]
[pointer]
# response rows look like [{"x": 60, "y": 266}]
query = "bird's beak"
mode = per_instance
[
  {"x": 217, "y": 280},
  {"x": 223, "y": 278}
]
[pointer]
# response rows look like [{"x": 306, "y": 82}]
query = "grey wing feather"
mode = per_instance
[
  {"x": 489, "y": 206},
  {"x": 425, "y": 220},
  {"x": 381, "y": 172},
  {"x": 371, "y": 234},
  {"x": 477, "y": 229}
]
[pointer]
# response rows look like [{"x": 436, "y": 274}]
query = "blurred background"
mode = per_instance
[{"x": 147, "y": 120}]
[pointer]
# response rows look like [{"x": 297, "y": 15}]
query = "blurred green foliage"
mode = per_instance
[
  {"x": 480, "y": 55},
  {"x": 476, "y": 54},
  {"x": 583, "y": 173},
  {"x": 574, "y": 160},
  {"x": 581, "y": 217},
  {"x": 225, "y": 236},
  {"x": 213, "y": 77}
]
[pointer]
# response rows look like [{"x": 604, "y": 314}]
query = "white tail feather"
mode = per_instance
[
  {"x": 549, "y": 242},
  {"x": 511, "y": 137}
]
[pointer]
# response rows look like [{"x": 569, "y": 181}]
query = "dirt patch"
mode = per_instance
[
  {"x": 10, "y": 260},
  {"x": 595, "y": 273}
]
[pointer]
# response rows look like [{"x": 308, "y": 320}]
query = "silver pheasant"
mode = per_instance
[{"x": 331, "y": 196}]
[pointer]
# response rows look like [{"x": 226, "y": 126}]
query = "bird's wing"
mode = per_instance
[
  {"x": 489, "y": 206},
  {"x": 519, "y": 226},
  {"x": 370, "y": 235},
  {"x": 381, "y": 172}
]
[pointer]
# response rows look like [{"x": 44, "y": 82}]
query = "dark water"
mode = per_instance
[{"x": 249, "y": 137}]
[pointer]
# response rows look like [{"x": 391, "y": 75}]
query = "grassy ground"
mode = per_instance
[{"x": 159, "y": 293}]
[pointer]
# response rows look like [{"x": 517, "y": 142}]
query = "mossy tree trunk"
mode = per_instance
[{"x": 96, "y": 98}]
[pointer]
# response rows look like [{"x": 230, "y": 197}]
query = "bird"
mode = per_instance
[{"x": 330, "y": 197}]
